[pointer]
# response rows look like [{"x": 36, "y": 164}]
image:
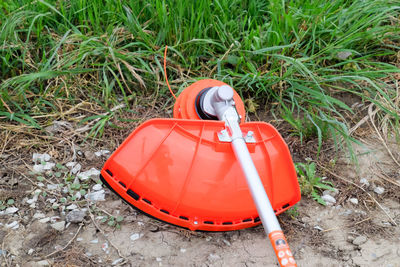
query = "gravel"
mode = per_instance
[
  {"x": 379, "y": 190},
  {"x": 76, "y": 216},
  {"x": 359, "y": 240},
  {"x": 88, "y": 174},
  {"x": 59, "y": 226},
  {"x": 96, "y": 196},
  {"x": 330, "y": 200},
  {"x": 353, "y": 201}
]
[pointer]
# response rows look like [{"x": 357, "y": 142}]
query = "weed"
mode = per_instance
[
  {"x": 310, "y": 183},
  {"x": 295, "y": 57}
]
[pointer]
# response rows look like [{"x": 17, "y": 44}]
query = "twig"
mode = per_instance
[
  {"x": 222, "y": 58},
  {"x": 105, "y": 236},
  {"x": 386, "y": 178},
  {"x": 371, "y": 116},
  {"x": 69, "y": 243},
  {"x": 359, "y": 187}
]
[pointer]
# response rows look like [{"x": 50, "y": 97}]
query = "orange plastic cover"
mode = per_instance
[{"x": 179, "y": 172}]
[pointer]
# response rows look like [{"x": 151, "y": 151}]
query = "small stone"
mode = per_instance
[
  {"x": 183, "y": 250},
  {"x": 45, "y": 220},
  {"x": 13, "y": 225},
  {"x": 53, "y": 186},
  {"x": 38, "y": 215},
  {"x": 30, "y": 251},
  {"x": 79, "y": 239},
  {"x": 71, "y": 207},
  {"x": 330, "y": 192},
  {"x": 226, "y": 242},
  {"x": 359, "y": 240},
  {"x": 330, "y": 200},
  {"x": 78, "y": 195},
  {"x": 76, "y": 216},
  {"x": 40, "y": 184},
  {"x": 10, "y": 210},
  {"x": 42, "y": 263},
  {"x": 88, "y": 254},
  {"x": 76, "y": 168},
  {"x": 117, "y": 261},
  {"x": 51, "y": 200},
  {"x": 364, "y": 182},
  {"x": 70, "y": 164},
  {"x": 158, "y": 259},
  {"x": 101, "y": 153},
  {"x": 94, "y": 241},
  {"x": 38, "y": 168},
  {"x": 48, "y": 166},
  {"x": 353, "y": 200},
  {"x": 59, "y": 226},
  {"x": 88, "y": 174},
  {"x": 37, "y": 157},
  {"x": 97, "y": 187},
  {"x": 379, "y": 190},
  {"x": 96, "y": 196},
  {"x": 135, "y": 236}
]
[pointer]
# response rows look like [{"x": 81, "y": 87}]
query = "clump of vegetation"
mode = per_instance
[
  {"x": 310, "y": 183},
  {"x": 297, "y": 57}
]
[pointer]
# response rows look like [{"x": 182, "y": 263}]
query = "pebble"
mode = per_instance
[
  {"x": 102, "y": 153},
  {"x": 135, "y": 236},
  {"x": 226, "y": 242},
  {"x": 94, "y": 241},
  {"x": 76, "y": 168},
  {"x": 330, "y": 192},
  {"x": 40, "y": 184},
  {"x": 79, "y": 239},
  {"x": 70, "y": 164},
  {"x": 53, "y": 186},
  {"x": 78, "y": 195},
  {"x": 96, "y": 196},
  {"x": 183, "y": 250},
  {"x": 89, "y": 155},
  {"x": 379, "y": 190},
  {"x": 76, "y": 216},
  {"x": 158, "y": 259},
  {"x": 10, "y": 210},
  {"x": 30, "y": 251},
  {"x": 97, "y": 187},
  {"x": 39, "y": 215},
  {"x": 45, "y": 220},
  {"x": 364, "y": 182},
  {"x": 40, "y": 157},
  {"x": 13, "y": 225},
  {"x": 59, "y": 226},
  {"x": 359, "y": 240},
  {"x": 88, "y": 174},
  {"x": 330, "y": 200},
  {"x": 43, "y": 263},
  {"x": 353, "y": 200},
  {"x": 71, "y": 207},
  {"x": 343, "y": 55},
  {"x": 117, "y": 261}
]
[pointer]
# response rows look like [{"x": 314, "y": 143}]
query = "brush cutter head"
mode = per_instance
[{"x": 184, "y": 173}]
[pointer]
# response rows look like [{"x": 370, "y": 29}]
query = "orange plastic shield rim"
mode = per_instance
[{"x": 179, "y": 172}]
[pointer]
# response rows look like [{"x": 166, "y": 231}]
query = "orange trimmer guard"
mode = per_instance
[{"x": 180, "y": 172}]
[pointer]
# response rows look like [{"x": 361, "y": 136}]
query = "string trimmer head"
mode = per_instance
[{"x": 196, "y": 170}]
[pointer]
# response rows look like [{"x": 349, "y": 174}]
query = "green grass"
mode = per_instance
[{"x": 284, "y": 54}]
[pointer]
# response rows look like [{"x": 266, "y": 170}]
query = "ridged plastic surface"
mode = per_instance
[{"x": 179, "y": 172}]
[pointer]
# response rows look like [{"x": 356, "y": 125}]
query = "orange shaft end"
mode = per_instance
[{"x": 282, "y": 250}]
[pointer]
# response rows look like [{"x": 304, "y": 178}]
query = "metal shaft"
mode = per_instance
[{"x": 264, "y": 208}]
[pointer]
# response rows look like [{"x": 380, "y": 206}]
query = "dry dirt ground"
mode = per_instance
[{"x": 360, "y": 229}]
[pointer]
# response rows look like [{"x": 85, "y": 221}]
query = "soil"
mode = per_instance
[{"x": 342, "y": 234}]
